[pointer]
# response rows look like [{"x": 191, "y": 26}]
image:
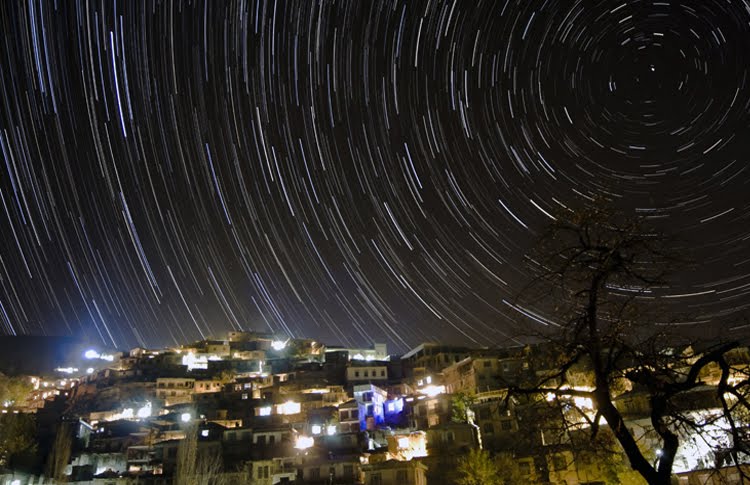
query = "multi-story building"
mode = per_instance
[
  {"x": 431, "y": 358},
  {"x": 359, "y": 372},
  {"x": 175, "y": 390}
]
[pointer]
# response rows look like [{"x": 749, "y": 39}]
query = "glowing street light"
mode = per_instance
[
  {"x": 264, "y": 411},
  {"x": 304, "y": 442},
  {"x": 279, "y": 345},
  {"x": 91, "y": 354},
  {"x": 145, "y": 411},
  {"x": 290, "y": 407}
]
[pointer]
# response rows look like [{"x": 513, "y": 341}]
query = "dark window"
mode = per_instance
[
  {"x": 266, "y": 473},
  {"x": 367, "y": 374},
  {"x": 401, "y": 476},
  {"x": 506, "y": 425},
  {"x": 376, "y": 479},
  {"x": 559, "y": 462},
  {"x": 488, "y": 428},
  {"x": 487, "y": 363},
  {"x": 271, "y": 440},
  {"x": 356, "y": 373},
  {"x": 314, "y": 474},
  {"x": 355, "y": 413},
  {"x": 348, "y": 471},
  {"x": 261, "y": 440},
  {"x": 344, "y": 415},
  {"x": 382, "y": 373}
]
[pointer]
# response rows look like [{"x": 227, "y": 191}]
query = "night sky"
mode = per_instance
[{"x": 354, "y": 171}]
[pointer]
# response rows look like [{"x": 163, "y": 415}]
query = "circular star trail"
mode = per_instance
[{"x": 353, "y": 171}]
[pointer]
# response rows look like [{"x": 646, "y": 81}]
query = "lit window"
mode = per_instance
[
  {"x": 264, "y": 411},
  {"x": 290, "y": 407}
]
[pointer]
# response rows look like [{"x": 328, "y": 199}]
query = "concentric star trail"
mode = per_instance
[{"x": 353, "y": 171}]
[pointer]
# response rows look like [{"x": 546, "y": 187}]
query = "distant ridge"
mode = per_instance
[{"x": 38, "y": 355}]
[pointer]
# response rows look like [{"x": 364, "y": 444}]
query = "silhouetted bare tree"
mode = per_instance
[{"x": 598, "y": 272}]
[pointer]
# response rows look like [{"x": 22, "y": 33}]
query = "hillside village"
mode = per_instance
[{"x": 262, "y": 409}]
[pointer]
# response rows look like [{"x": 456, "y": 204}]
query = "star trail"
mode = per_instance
[{"x": 353, "y": 171}]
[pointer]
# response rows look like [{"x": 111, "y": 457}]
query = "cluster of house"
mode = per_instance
[{"x": 276, "y": 410}]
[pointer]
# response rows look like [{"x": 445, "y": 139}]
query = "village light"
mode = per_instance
[
  {"x": 331, "y": 429},
  {"x": 66, "y": 370},
  {"x": 316, "y": 429},
  {"x": 304, "y": 442},
  {"x": 279, "y": 344},
  {"x": 145, "y": 411},
  {"x": 91, "y": 354},
  {"x": 403, "y": 442},
  {"x": 433, "y": 390},
  {"x": 264, "y": 411},
  {"x": 290, "y": 407},
  {"x": 185, "y": 417}
]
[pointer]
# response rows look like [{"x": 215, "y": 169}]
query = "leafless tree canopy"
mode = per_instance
[{"x": 598, "y": 274}]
